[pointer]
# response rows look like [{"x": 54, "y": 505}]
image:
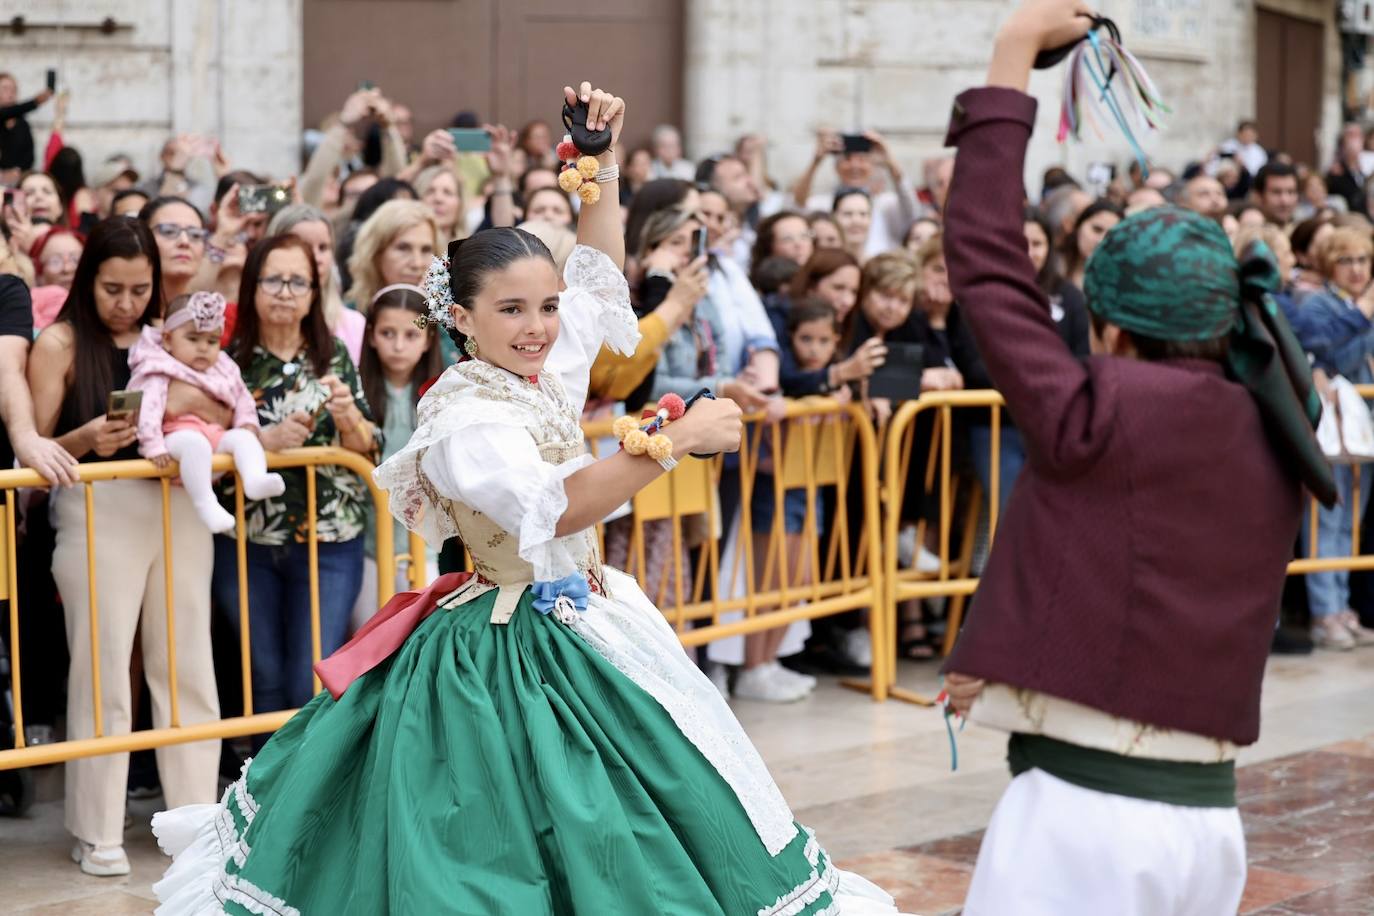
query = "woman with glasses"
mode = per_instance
[
  {"x": 308, "y": 393},
  {"x": 180, "y": 233},
  {"x": 1336, "y": 326}
]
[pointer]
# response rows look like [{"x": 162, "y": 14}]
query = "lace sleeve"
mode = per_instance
[{"x": 594, "y": 309}]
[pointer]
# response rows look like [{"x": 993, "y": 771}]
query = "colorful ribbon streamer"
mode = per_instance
[{"x": 1104, "y": 82}]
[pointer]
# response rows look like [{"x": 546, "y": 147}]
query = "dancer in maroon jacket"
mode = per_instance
[{"x": 1125, "y": 616}]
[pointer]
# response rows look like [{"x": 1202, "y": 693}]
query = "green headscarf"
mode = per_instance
[{"x": 1169, "y": 274}]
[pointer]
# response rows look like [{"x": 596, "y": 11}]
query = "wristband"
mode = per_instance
[{"x": 608, "y": 173}]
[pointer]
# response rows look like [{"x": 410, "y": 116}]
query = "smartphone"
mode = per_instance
[
  {"x": 698, "y": 243},
  {"x": 899, "y": 377},
  {"x": 263, "y": 198},
  {"x": 855, "y": 143},
  {"x": 124, "y": 405},
  {"x": 52, "y": 80},
  {"x": 14, "y": 197},
  {"x": 470, "y": 139}
]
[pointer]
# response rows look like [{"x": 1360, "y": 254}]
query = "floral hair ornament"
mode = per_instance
[
  {"x": 205, "y": 309},
  {"x": 438, "y": 293},
  {"x": 1112, "y": 83}
]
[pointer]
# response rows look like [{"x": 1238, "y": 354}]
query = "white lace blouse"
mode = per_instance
[{"x": 480, "y": 428}]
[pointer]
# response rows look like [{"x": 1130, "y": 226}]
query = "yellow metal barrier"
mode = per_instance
[
  {"x": 175, "y": 732},
  {"x": 954, "y": 579},
  {"x": 811, "y": 449}
]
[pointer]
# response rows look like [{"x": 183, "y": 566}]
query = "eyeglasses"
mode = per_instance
[
  {"x": 274, "y": 286},
  {"x": 1353, "y": 261},
  {"x": 171, "y": 232},
  {"x": 58, "y": 261}
]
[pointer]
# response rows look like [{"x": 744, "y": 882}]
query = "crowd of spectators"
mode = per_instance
[{"x": 805, "y": 289}]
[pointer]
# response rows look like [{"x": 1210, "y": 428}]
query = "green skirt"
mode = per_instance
[{"x": 490, "y": 768}]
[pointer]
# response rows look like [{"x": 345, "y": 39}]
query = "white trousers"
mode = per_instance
[
  {"x": 1056, "y": 849},
  {"x": 130, "y": 589}
]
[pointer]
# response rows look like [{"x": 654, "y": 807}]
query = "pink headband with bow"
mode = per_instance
[{"x": 205, "y": 309}]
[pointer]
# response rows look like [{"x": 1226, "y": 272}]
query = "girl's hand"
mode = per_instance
[
  {"x": 109, "y": 436},
  {"x": 689, "y": 284},
  {"x": 963, "y": 691},
  {"x": 828, "y": 142},
  {"x": 229, "y": 220},
  {"x": 711, "y": 426},
  {"x": 1039, "y": 25},
  {"x": 162, "y": 461},
  {"x": 603, "y": 109}
]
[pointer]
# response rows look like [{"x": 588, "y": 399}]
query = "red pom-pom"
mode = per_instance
[
  {"x": 568, "y": 151},
  {"x": 675, "y": 406}
]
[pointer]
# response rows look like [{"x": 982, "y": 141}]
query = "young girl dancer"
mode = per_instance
[
  {"x": 185, "y": 350},
  {"x": 531, "y": 739}
]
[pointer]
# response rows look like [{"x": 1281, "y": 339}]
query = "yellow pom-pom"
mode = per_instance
[
  {"x": 637, "y": 442},
  {"x": 660, "y": 447},
  {"x": 623, "y": 426},
  {"x": 589, "y": 192},
  {"x": 588, "y": 167},
  {"x": 570, "y": 180}
]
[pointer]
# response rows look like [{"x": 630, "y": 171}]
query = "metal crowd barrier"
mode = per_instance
[
  {"x": 955, "y": 580},
  {"x": 811, "y": 449}
]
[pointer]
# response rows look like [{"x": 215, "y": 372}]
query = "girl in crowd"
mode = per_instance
[
  {"x": 825, "y": 231},
  {"x": 1092, "y": 224},
  {"x": 1067, "y": 308},
  {"x": 311, "y": 226},
  {"x": 307, "y": 393},
  {"x": 398, "y": 357},
  {"x": 1306, "y": 240},
  {"x": 782, "y": 235},
  {"x": 117, "y": 291},
  {"x": 185, "y": 350},
  {"x": 549, "y": 701},
  {"x": 853, "y": 210},
  {"x": 79, "y": 205},
  {"x": 29, "y": 217},
  {"x": 536, "y": 141}
]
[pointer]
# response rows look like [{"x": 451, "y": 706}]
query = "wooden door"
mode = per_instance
[
  {"x": 1288, "y": 99},
  {"x": 503, "y": 59}
]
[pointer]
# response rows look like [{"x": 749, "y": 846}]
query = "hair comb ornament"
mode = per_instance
[
  {"x": 1105, "y": 83},
  {"x": 438, "y": 295}
]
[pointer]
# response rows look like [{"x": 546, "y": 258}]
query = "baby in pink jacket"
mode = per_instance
[{"x": 186, "y": 349}]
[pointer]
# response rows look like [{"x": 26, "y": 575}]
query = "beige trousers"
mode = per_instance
[{"x": 128, "y": 580}]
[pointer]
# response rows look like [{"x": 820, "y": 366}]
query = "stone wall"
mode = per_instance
[
  {"x": 787, "y": 67},
  {"x": 231, "y": 68}
]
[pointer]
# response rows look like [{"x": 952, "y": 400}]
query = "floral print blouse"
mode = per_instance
[{"x": 342, "y": 501}]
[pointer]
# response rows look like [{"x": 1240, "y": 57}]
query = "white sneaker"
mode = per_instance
[
  {"x": 927, "y": 562},
  {"x": 100, "y": 861},
  {"x": 1331, "y": 633},
  {"x": 788, "y": 676},
  {"x": 857, "y": 648},
  {"x": 720, "y": 678},
  {"x": 1362, "y": 634},
  {"x": 760, "y": 684}
]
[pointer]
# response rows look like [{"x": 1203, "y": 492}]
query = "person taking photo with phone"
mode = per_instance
[
  {"x": 16, "y": 138},
  {"x": 861, "y": 161},
  {"x": 117, "y": 291}
]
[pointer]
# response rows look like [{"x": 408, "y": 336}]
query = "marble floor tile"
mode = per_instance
[
  {"x": 919, "y": 884},
  {"x": 1264, "y": 888}
]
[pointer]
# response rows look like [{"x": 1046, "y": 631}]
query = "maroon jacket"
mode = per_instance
[{"x": 1139, "y": 565}]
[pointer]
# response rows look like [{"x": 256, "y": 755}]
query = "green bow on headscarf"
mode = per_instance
[{"x": 1169, "y": 274}]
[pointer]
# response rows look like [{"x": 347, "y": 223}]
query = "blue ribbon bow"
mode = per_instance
[{"x": 566, "y": 595}]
